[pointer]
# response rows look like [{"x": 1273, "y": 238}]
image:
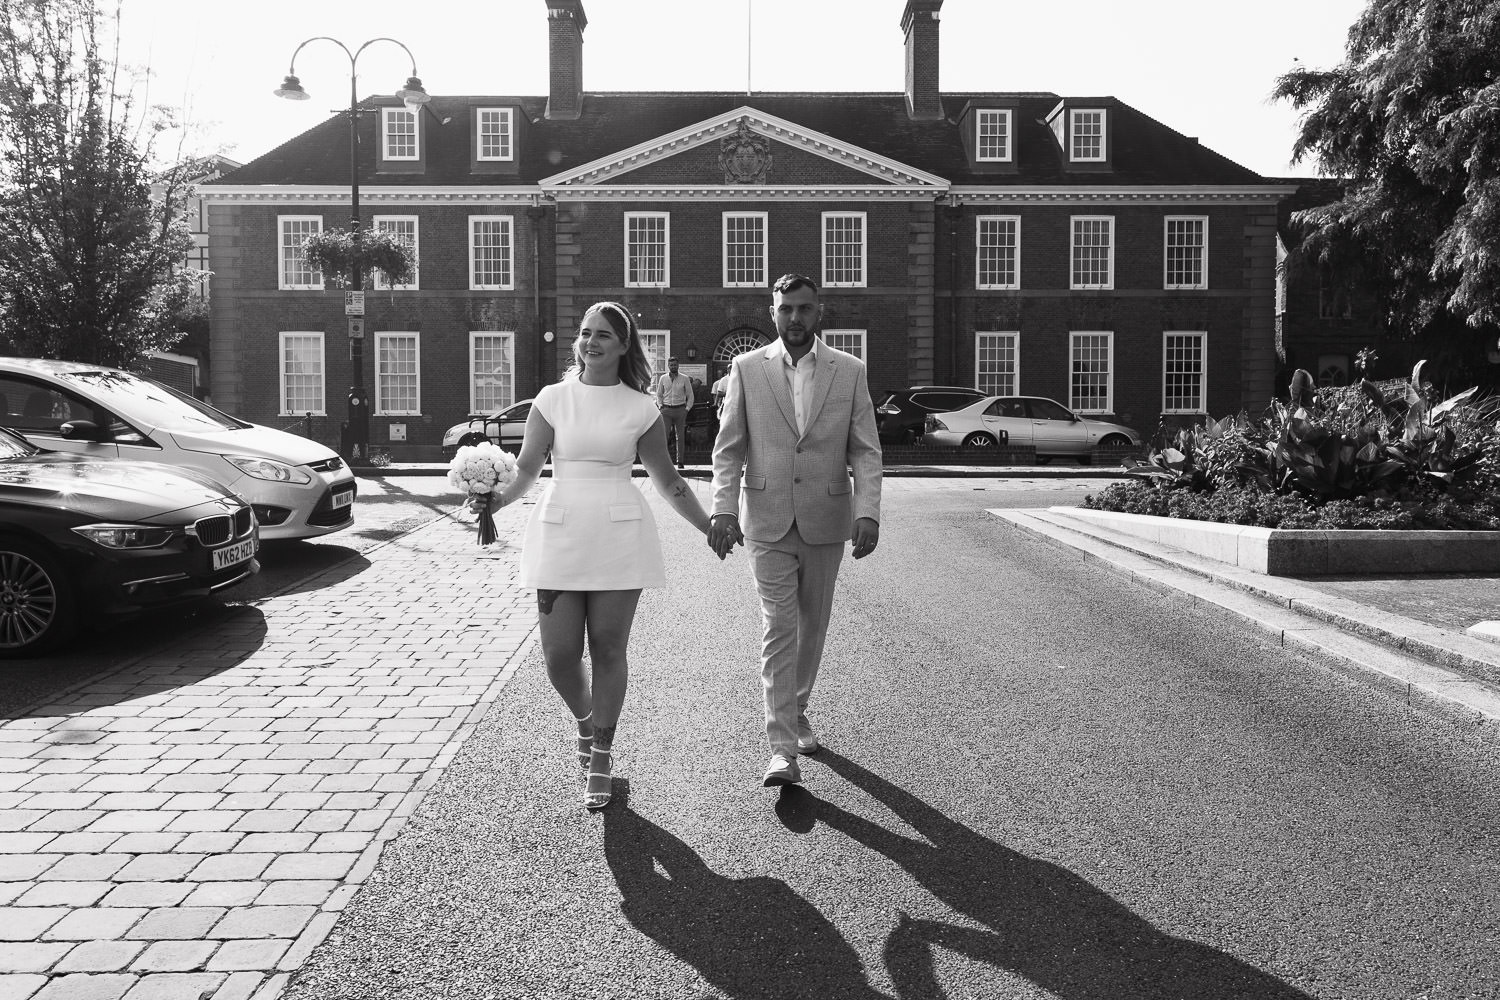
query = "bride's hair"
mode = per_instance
[{"x": 635, "y": 370}]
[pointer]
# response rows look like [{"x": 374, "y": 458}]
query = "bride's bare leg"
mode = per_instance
[
  {"x": 560, "y": 616},
  {"x": 610, "y": 615}
]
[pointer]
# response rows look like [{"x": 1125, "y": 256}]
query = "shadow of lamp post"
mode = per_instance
[{"x": 414, "y": 97}]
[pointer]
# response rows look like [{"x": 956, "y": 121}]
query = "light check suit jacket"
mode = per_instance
[{"x": 770, "y": 476}]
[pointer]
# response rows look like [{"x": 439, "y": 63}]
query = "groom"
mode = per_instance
[{"x": 797, "y": 415}]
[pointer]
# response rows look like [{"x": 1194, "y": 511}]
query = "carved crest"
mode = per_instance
[{"x": 745, "y": 156}]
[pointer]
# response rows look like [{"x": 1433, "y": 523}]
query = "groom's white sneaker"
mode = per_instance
[
  {"x": 782, "y": 770},
  {"x": 807, "y": 740}
]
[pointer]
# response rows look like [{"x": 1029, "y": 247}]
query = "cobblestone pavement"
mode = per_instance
[{"x": 191, "y": 825}]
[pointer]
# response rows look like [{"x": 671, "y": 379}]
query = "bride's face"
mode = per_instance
[{"x": 600, "y": 346}]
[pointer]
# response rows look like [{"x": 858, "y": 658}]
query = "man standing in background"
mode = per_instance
[{"x": 674, "y": 395}]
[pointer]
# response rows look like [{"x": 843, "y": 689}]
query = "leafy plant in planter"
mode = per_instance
[
  {"x": 1346, "y": 458},
  {"x": 335, "y": 251}
]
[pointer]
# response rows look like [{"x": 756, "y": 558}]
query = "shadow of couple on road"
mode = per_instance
[{"x": 754, "y": 937}]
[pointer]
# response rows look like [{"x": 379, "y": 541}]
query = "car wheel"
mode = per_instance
[
  {"x": 36, "y": 600},
  {"x": 977, "y": 440},
  {"x": 1115, "y": 441}
]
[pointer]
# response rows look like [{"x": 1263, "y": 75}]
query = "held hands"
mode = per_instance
[
  {"x": 866, "y": 536},
  {"x": 724, "y": 534}
]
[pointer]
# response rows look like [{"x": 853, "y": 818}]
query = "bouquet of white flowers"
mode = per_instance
[{"x": 480, "y": 472}]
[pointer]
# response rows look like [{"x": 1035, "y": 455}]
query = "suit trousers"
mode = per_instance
[
  {"x": 795, "y": 580},
  {"x": 675, "y": 421}
]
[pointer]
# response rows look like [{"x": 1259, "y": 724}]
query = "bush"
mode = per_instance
[{"x": 1365, "y": 457}]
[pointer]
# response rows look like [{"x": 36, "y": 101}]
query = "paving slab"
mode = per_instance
[{"x": 191, "y": 825}]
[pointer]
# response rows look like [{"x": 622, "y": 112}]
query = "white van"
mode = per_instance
[{"x": 298, "y": 487}]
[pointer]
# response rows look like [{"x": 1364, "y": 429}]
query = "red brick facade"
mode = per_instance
[{"x": 918, "y": 183}]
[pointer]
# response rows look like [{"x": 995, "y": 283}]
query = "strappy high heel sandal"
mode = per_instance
[
  {"x": 585, "y": 743},
  {"x": 600, "y": 786}
]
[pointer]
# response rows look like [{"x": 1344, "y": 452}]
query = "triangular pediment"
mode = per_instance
[{"x": 745, "y": 150}]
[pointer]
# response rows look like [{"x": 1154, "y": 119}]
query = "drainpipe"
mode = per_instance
[
  {"x": 534, "y": 215},
  {"x": 954, "y": 212}
]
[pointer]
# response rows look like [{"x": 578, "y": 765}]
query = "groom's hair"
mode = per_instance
[{"x": 792, "y": 282}]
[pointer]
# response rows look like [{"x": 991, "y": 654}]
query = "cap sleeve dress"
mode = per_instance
[{"x": 592, "y": 528}]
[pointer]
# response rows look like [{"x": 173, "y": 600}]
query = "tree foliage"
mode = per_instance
[
  {"x": 92, "y": 266},
  {"x": 1411, "y": 118}
]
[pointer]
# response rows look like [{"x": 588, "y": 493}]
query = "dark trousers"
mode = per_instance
[{"x": 675, "y": 420}]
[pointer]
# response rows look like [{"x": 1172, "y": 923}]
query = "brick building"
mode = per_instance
[{"x": 1069, "y": 247}]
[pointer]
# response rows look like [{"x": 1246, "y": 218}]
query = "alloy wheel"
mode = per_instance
[{"x": 29, "y": 601}]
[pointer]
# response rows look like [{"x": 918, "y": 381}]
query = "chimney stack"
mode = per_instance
[
  {"x": 565, "y": 24},
  {"x": 919, "y": 22}
]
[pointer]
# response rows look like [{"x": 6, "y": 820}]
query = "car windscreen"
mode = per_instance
[
  {"x": 151, "y": 404},
  {"x": 12, "y": 446}
]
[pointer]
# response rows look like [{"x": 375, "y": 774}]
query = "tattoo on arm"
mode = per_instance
[{"x": 680, "y": 490}]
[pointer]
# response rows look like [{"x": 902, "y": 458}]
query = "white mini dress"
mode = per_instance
[{"x": 592, "y": 529}]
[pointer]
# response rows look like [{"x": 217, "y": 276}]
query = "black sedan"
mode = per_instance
[{"x": 84, "y": 541}]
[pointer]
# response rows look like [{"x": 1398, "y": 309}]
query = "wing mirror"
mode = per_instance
[{"x": 79, "y": 430}]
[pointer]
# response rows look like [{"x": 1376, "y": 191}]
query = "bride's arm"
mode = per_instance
[
  {"x": 652, "y": 447},
  {"x": 534, "y": 447}
]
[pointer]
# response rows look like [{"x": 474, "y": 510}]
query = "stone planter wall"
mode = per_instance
[{"x": 1279, "y": 552}]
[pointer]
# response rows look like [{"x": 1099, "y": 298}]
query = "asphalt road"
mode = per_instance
[{"x": 1039, "y": 781}]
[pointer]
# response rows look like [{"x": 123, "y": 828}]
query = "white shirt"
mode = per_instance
[
  {"x": 799, "y": 379},
  {"x": 674, "y": 390}
]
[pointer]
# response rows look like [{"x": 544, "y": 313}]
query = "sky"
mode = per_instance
[{"x": 1205, "y": 74}]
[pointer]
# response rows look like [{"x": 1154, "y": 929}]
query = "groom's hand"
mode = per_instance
[
  {"x": 724, "y": 534},
  {"x": 866, "y": 536}
]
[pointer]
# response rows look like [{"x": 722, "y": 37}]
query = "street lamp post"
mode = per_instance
[{"x": 414, "y": 97}]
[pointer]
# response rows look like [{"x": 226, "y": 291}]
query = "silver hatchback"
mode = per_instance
[{"x": 298, "y": 487}]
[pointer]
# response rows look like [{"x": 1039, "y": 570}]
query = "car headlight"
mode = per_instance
[
  {"x": 268, "y": 469},
  {"x": 125, "y": 536}
]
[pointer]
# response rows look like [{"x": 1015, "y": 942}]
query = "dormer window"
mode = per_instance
[
  {"x": 496, "y": 133},
  {"x": 398, "y": 134},
  {"x": 1086, "y": 135},
  {"x": 992, "y": 134}
]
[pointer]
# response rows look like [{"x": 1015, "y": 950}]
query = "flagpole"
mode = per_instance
[{"x": 748, "y": 5}]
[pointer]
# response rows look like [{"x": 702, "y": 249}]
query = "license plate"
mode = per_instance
[
  {"x": 343, "y": 499},
  {"x": 233, "y": 555}
]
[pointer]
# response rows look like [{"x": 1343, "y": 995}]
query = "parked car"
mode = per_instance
[
  {"x": 505, "y": 427},
  {"x": 900, "y": 414},
  {"x": 298, "y": 487},
  {"x": 1045, "y": 424},
  {"x": 84, "y": 541}
]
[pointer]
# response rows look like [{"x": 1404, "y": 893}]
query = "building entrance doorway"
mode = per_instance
[{"x": 732, "y": 345}]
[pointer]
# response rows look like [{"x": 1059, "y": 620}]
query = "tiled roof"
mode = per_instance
[{"x": 1144, "y": 151}]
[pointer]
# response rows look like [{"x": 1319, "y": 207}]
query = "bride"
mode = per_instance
[{"x": 591, "y": 544}]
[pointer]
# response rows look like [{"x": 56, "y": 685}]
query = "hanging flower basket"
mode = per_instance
[{"x": 335, "y": 251}]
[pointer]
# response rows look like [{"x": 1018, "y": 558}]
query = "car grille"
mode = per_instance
[
  {"x": 220, "y": 528},
  {"x": 327, "y": 517}
]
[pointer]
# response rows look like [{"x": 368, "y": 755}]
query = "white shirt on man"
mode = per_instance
[
  {"x": 799, "y": 378},
  {"x": 674, "y": 390}
]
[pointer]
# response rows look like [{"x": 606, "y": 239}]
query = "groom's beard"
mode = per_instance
[{"x": 796, "y": 335}]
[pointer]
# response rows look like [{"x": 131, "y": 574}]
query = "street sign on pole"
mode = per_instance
[
  {"x": 356, "y": 328},
  {"x": 354, "y": 303}
]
